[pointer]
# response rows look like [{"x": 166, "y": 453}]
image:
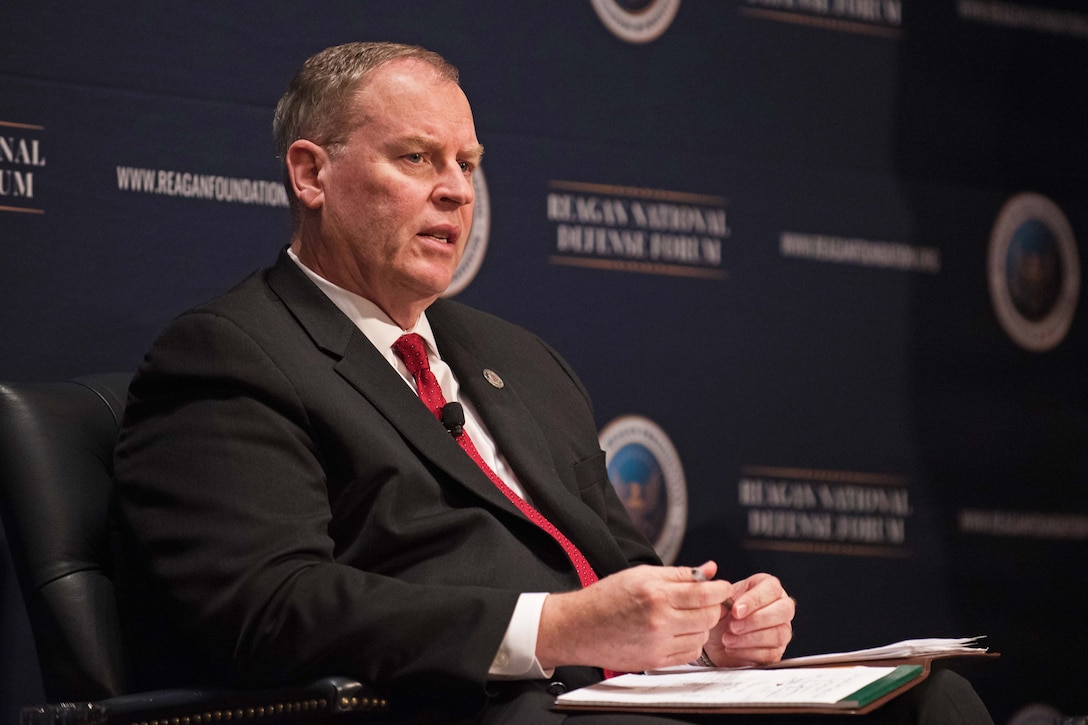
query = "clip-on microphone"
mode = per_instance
[{"x": 453, "y": 417}]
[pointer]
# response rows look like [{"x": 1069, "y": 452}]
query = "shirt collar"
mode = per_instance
[{"x": 377, "y": 326}]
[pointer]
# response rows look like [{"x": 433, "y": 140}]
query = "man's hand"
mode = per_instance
[
  {"x": 637, "y": 619},
  {"x": 757, "y": 628}
]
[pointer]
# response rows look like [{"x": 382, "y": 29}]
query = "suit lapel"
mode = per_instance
[
  {"x": 361, "y": 365},
  {"x": 508, "y": 420},
  {"x": 513, "y": 426},
  {"x": 524, "y": 446}
]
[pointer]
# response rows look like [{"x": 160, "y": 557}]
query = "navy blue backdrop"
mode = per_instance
[{"x": 867, "y": 213}]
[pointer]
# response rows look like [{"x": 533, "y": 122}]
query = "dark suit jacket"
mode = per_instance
[{"x": 288, "y": 508}]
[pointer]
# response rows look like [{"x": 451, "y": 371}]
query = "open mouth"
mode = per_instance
[{"x": 443, "y": 236}]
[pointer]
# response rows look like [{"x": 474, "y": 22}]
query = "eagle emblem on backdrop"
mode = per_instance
[{"x": 644, "y": 468}]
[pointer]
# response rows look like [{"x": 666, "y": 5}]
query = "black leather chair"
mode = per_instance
[{"x": 56, "y": 465}]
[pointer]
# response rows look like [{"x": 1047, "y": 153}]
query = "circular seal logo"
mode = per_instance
[
  {"x": 645, "y": 470},
  {"x": 1034, "y": 271},
  {"x": 476, "y": 246},
  {"x": 636, "y": 21}
]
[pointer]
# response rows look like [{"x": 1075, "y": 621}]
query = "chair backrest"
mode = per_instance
[{"x": 56, "y": 479}]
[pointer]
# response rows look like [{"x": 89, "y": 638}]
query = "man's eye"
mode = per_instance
[{"x": 415, "y": 158}]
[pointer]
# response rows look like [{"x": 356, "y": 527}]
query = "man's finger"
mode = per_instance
[
  {"x": 756, "y": 592},
  {"x": 703, "y": 572}
]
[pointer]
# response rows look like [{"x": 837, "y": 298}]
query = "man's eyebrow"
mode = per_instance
[
  {"x": 476, "y": 153},
  {"x": 414, "y": 142},
  {"x": 426, "y": 143}
]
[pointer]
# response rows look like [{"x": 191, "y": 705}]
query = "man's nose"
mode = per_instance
[{"x": 455, "y": 186}]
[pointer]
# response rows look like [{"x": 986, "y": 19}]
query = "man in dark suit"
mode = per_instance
[{"x": 290, "y": 503}]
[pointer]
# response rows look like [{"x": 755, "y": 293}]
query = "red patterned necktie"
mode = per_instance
[{"x": 413, "y": 351}]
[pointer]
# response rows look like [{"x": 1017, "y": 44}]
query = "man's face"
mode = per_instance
[{"x": 398, "y": 196}]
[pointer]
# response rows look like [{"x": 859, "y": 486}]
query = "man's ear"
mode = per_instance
[{"x": 305, "y": 162}]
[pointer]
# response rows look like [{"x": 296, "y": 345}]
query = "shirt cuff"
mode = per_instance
[{"x": 516, "y": 658}]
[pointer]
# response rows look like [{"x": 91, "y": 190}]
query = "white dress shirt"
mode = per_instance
[{"x": 516, "y": 658}]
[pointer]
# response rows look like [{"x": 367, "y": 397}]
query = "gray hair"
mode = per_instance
[{"x": 317, "y": 103}]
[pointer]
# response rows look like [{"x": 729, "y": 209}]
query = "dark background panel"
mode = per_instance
[{"x": 798, "y": 120}]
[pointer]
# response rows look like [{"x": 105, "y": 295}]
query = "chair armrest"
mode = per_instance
[{"x": 316, "y": 701}]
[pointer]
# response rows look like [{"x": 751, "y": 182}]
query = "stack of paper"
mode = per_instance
[
  {"x": 856, "y": 681},
  {"x": 907, "y": 649},
  {"x": 825, "y": 687}
]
